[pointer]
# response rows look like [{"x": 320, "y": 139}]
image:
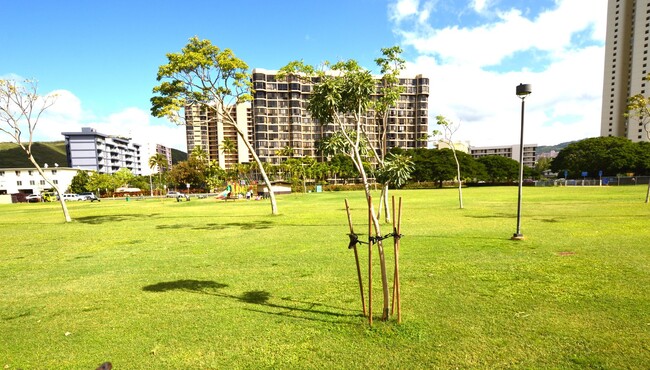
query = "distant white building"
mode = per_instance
[
  {"x": 92, "y": 151},
  {"x": 508, "y": 151},
  {"x": 29, "y": 181},
  {"x": 151, "y": 149},
  {"x": 459, "y": 146}
]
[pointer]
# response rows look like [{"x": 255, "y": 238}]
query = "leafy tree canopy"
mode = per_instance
[
  {"x": 612, "y": 155},
  {"x": 499, "y": 169}
]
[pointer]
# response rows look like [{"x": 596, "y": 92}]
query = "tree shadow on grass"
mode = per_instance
[
  {"x": 98, "y": 220},
  {"x": 496, "y": 215},
  {"x": 197, "y": 286},
  {"x": 213, "y": 226},
  {"x": 291, "y": 309}
]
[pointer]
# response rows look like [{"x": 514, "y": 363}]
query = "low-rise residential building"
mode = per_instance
[
  {"x": 29, "y": 181},
  {"x": 508, "y": 151}
]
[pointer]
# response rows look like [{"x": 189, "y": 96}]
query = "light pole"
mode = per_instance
[{"x": 523, "y": 90}]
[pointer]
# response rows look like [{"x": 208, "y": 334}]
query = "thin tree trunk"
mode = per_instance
[
  {"x": 377, "y": 227},
  {"x": 647, "y": 196},
  {"x": 64, "y": 207},
  {"x": 384, "y": 199},
  {"x": 274, "y": 206},
  {"x": 460, "y": 182}
]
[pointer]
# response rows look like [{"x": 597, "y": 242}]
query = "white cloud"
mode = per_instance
[
  {"x": 136, "y": 123},
  {"x": 479, "y": 5},
  {"x": 68, "y": 115},
  {"x": 465, "y": 85},
  {"x": 403, "y": 9}
]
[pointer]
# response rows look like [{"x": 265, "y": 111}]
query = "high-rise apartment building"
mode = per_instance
[
  {"x": 278, "y": 118},
  {"x": 626, "y": 64},
  {"x": 93, "y": 151},
  {"x": 281, "y": 118},
  {"x": 206, "y": 130}
]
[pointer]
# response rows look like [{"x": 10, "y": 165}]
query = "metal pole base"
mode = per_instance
[{"x": 517, "y": 237}]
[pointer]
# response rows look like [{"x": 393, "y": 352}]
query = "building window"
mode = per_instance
[
  {"x": 53, "y": 172},
  {"x": 56, "y": 182},
  {"x": 17, "y": 173},
  {"x": 32, "y": 182},
  {"x": 19, "y": 183},
  {"x": 30, "y": 173},
  {"x": 42, "y": 182}
]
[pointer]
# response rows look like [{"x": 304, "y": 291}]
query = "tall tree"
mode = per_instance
[
  {"x": 158, "y": 162},
  {"x": 391, "y": 65},
  {"x": 500, "y": 169},
  {"x": 123, "y": 177},
  {"x": 342, "y": 97},
  {"x": 448, "y": 129},
  {"x": 200, "y": 154},
  {"x": 79, "y": 182},
  {"x": 190, "y": 172},
  {"x": 228, "y": 146},
  {"x": 639, "y": 108},
  {"x": 20, "y": 110},
  {"x": 203, "y": 74},
  {"x": 611, "y": 155},
  {"x": 214, "y": 175},
  {"x": 101, "y": 181}
]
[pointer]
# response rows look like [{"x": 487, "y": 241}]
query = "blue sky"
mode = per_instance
[{"x": 101, "y": 58}]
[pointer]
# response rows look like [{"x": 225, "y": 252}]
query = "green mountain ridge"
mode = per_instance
[
  {"x": 548, "y": 148},
  {"x": 50, "y": 152}
]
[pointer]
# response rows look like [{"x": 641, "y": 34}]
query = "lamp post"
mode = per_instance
[{"x": 523, "y": 90}]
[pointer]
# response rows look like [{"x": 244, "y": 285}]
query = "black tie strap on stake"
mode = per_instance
[
  {"x": 375, "y": 239},
  {"x": 354, "y": 240},
  {"x": 396, "y": 235}
]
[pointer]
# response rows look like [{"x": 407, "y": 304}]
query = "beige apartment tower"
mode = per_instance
[
  {"x": 626, "y": 64},
  {"x": 204, "y": 129}
]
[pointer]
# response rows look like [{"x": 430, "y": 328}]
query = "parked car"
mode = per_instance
[
  {"x": 49, "y": 196},
  {"x": 33, "y": 198},
  {"x": 178, "y": 195},
  {"x": 89, "y": 196},
  {"x": 71, "y": 196}
]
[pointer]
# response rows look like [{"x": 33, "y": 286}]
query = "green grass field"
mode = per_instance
[{"x": 207, "y": 284}]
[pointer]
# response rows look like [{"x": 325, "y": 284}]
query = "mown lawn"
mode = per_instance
[{"x": 207, "y": 284}]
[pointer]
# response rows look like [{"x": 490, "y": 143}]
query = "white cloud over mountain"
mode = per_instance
[{"x": 68, "y": 115}]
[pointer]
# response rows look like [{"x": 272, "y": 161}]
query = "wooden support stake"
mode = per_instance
[
  {"x": 392, "y": 305},
  {"x": 370, "y": 245},
  {"x": 397, "y": 244},
  {"x": 356, "y": 259}
]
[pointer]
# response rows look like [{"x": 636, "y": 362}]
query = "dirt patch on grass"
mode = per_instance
[{"x": 566, "y": 253}]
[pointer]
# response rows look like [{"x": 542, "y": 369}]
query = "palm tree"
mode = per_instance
[
  {"x": 160, "y": 162},
  {"x": 228, "y": 146},
  {"x": 199, "y": 154},
  {"x": 287, "y": 151}
]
